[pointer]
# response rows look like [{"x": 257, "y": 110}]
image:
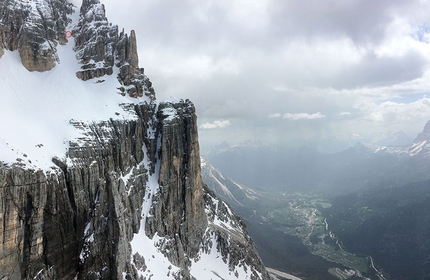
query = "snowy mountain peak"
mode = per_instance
[
  {"x": 36, "y": 29},
  {"x": 75, "y": 64},
  {"x": 360, "y": 147},
  {"x": 98, "y": 179}
]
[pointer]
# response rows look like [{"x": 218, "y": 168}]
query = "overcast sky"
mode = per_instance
[{"x": 284, "y": 70}]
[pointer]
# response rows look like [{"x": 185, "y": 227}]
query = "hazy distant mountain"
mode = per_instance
[
  {"x": 421, "y": 145},
  {"x": 390, "y": 139},
  {"x": 268, "y": 167},
  {"x": 336, "y": 143},
  {"x": 271, "y": 167}
]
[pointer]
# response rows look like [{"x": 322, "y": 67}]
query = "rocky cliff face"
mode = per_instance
[{"x": 126, "y": 201}]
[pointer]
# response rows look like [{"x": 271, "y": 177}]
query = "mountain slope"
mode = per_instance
[
  {"x": 225, "y": 188},
  {"x": 98, "y": 180}
]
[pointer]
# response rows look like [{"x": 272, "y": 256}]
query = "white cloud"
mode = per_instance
[
  {"x": 344, "y": 114},
  {"x": 389, "y": 114},
  {"x": 216, "y": 124},
  {"x": 275, "y": 116},
  {"x": 303, "y": 116},
  {"x": 394, "y": 112}
]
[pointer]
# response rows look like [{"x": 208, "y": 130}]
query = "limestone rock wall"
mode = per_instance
[
  {"x": 37, "y": 228},
  {"x": 178, "y": 212}
]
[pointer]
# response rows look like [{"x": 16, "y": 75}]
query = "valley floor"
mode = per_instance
[{"x": 299, "y": 219}]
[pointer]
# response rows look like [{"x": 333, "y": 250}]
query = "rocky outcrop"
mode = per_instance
[
  {"x": 235, "y": 245},
  {"x": 34, "y": 28},
  {"x": 95, "y": 41},
  {"x": 100, "y": 47}
]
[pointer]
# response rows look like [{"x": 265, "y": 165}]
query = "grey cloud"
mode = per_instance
[
  {"x": 363, "y": 21},
  {"x": 383, "y": 71}
]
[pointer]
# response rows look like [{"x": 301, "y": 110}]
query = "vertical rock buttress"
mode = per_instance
[{"x": 178, "y": 211}]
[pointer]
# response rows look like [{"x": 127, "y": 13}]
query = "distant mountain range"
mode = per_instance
[
  {"x": 339, "y": 142},
  {"x": 334, "y": 143},
  {"x": 271, "y": 167}
]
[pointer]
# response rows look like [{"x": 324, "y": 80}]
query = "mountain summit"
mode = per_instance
[
  {"x": 425, "y": 135},
  {"x": 37, "y": 28},
  {"x": 98, "y": 179}
]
